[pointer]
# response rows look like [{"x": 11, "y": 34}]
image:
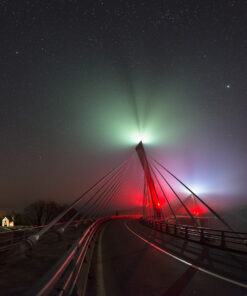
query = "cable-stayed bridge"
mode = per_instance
[{"x": 174, "y": 243}]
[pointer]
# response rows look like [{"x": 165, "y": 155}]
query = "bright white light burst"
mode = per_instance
[
  {"x": 196, "y": 188},
  {"x": 137, "y": 137}
]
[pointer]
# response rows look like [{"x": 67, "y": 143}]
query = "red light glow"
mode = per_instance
[
  {"x": 196, "y": 213},
  {"x": 198, "y": 210}
]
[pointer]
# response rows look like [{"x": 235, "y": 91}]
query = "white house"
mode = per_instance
[{"x": 7, "y": 222}]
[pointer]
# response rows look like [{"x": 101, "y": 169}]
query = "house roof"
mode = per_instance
[{"x": 9, "y": 218}]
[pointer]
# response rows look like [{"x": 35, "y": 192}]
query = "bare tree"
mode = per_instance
[
  {"x": 52, "y": 210},
  {"x": 41, "y": 212}
]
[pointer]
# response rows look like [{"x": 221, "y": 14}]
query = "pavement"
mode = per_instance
[{"x": 133, "y": 259}]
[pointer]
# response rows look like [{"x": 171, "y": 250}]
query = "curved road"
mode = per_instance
[{"x": 132, "y": 259}]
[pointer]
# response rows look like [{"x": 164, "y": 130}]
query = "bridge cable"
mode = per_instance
[
  {"x": 34, "y": 238},
  {"x": 152, "y": 171},
  {"x": 106, "y": 203},
  {"x": 103, "y": 195},
  {"x": 106, "y": 190},
  {"x": 105, "y": 184},
  {"x": 188, "y": 211},
  {"x": 101, "y": 206},
  {"x": 62, "y": 229},
  {"x": 150, "y": 203},
  {"x": 163, "y": 192},
  {"x": 108, "y": 198},
  {"x": 212, "y": 211},
  {"x": 117, "y": 189},
  {"x": 120, "y": 181},
  {"x": 92, "y": 197},
  {"x": 148, "y": 211},
  {"x": 144, "y": 198}
]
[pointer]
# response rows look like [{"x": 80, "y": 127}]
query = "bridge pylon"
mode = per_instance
[{"x": 149, "y": 181}]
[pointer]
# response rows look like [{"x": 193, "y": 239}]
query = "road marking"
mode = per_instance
[
  {"x": 100, "y": 287},
  {"x": 186, "y": 262}
]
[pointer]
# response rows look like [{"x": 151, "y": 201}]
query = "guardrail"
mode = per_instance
[
  {"x": 62, "y": 278},
  {"x": 12, "y": 238},
  {"x": 222, "y": 239}
]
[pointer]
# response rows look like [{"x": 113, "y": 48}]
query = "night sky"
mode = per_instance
[{"x": 82, "y": 81}]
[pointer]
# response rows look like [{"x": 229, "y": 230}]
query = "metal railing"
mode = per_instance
[
  {"x": 222, "y": 239},
  {"x": 62, "y": 278},
  {"x": 11, "y": 239}
]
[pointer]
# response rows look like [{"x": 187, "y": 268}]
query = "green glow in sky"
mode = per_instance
[{"x": 117, "y": 116}]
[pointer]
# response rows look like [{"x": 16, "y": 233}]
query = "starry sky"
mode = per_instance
[{"x": 80, "y": 81}]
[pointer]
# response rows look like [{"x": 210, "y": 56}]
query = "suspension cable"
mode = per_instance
[
  {"x": 34, "y": 238},
  {"x": 119, "y": 181},
  {"x": 90, "y": 199},
  {"x": 188, "y": 211},
  {"x": 212, "y": 211},
  {"x": 109, "y": 198},
  {"x": 117, "y": 190},
  {"x": 163, "y": 192},
  {"x": 106, "y": 190},
  {"x": 144, "y": 199}
]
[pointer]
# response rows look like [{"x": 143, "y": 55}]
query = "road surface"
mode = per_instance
[{"x": 132, "y": 259}]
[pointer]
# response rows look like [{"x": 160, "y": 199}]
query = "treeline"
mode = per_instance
[{"x": 39, "y": 213}]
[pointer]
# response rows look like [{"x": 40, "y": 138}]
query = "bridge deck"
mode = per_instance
[{"x": 125, "y": 264}]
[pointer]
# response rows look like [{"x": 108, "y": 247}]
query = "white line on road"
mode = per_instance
[{"x": 186, "y": 262}]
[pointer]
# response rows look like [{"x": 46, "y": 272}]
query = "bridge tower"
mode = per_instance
[{"x": 149, "y": 180}]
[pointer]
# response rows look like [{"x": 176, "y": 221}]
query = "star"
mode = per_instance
[{"x": 228, "y": 85}]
